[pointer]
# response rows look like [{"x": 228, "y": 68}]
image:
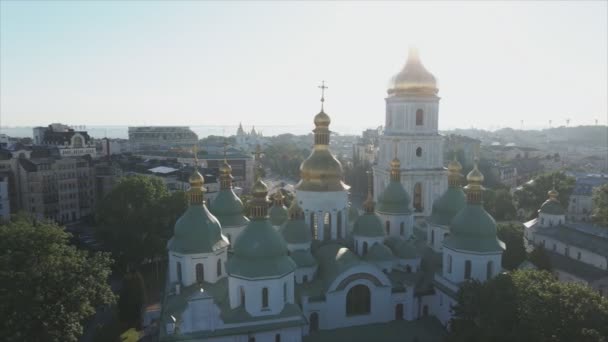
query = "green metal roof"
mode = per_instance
[
  {"x": 353, "y": 213},
  {"x": 473, "y": 229},
  {"x": 303, "y": 258},
  {"x": 576, "y": 268},
  {"x": 448, "y": 205},
  {"x": 394, "y": 200},
  {"x": 368, "y": 225},
  {"x": 278, "y": 215},
  {"x": 197, "y": 231},
  {"x": 334, "y": 259},
  {"x": 296, "y": 231},
  {"x": 228, "y": 208},
  {"x": 379, "y": 252},
  {"x": 405, "y": 250},
  {"x": 260, "y": 251},
  {"x": 573, "y": 237},
  {"x": 552, "y": 207}
]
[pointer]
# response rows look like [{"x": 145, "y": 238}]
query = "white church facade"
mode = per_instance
[{"x": 321, "y": 266}]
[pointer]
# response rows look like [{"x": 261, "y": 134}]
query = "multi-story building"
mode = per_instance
[
  {"x": 68, "y": 141},
  {"x": 61, "y": 189},
  {"x": 580, "y": 207},
  {"x": 5, "y": 205},
  {"x": 161, "y": 137}
]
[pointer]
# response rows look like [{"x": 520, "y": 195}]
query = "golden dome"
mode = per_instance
[
  {"x": 475, "y": 176},
  {"x": 225, "y": 168},
  {"x": 413, "y": 78},
  {"x": 553, "y": 194},
  {"x": 196, "y": 180},
  {"x": 395, "y": 164},
  {"x": 259, "y": 189},
  {"x": 454, "y": 166},
  {"x": 321, "y": 172},
  {"x": 322, "y": 120}
]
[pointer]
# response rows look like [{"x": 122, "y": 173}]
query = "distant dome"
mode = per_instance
[{"x": 413, "y": 78}]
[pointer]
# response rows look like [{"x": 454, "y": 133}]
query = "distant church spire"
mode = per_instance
[{"x": 322, "y": 87}]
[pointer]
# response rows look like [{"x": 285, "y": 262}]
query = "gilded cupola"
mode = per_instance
[
  {"x": 321, "y": 171},
  {"x": 413, "y": 79}
]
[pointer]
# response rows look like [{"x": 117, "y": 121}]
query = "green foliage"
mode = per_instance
[
  {"x": 600, "y": 205},
  {"x": 529, "y": 306},
  {"x": 356, "y": 176},
  {"x": 135, "y": 219},
  {"x": 499, "y": 203},
  {"x": 512, "y": 235},
  {"x": 131, "y": 300},
  {"x": 284, "y": 158},
  {"x": 48, "y": 287},
  {"x": 531, "y": 196},
  {"x": 540, "y": 259}
]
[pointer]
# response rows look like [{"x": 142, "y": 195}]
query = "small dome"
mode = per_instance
[
  {"x": 413, "y": 78},
  {"x": 353, "y": 213},
  {"x": 395, "y": 163},
  {"x": 303, "y": 258},
  {"x": 225, "y": 168},
  {"x": 473, "y": 229},
  {"x": 322, "y": 120},
  {"x": 259, "y": 189},
  {"x": 197, "y": 231},
  {"x": 552, "y": 207},
  {"x": 196, "y": 180},
  {"x": 379, "y": 252},
  {"x": 278, "y": 214},
  {"x": 368, "y": 225},
  {"x": 448, "y": 205},
  {"x": 296, "y": 231},
  {"x": 475, "y": 176},
  {"x": 229, "y": 209},
  {"x": 405, "y": 250},
  {"x": 454, "y": 166},
  {"x": 321, "y": 171},
  {"x": 394, "y": 200}
]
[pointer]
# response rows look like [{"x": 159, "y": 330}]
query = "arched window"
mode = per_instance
[
  {"x": 364, "y": 248},
  {"x": 305, "y": 279},
  {"x": 179, "y": 272},
  {"x": 419, "y": 117},
  {"x": 219, "y": 267},
  {"x": 418, "y": 197},
  {"x": 542, "y": 220},
  {"x": 327, "y": 226},
  {"x": 467, "y": 269},
  {"x": 399, "y": 312},
  {"x": 387, "y": 224},
  {"x": 285, "y": 292},
  {"x": 402, "y": 228},
  {"x": 432, "y": 236},
  {"x": 200, "y": 273},
  {"x": 265, "y": 297},
  {"x": 277, "y": 338},
  {"x": 242, "y": 295},
  {"x": 425, "y": 310},
  {"x": 489, "y": 270},
  {"x": 358, "y": 300},
  {"x": 408, "y": 269},
  {"x": 313, "y": 226},
  {"x": 339, "y": 225},
  {"x": 449, "y": 263},
  {"x": 419, "y": 152},
  {"x": 77, "y": 142},
  {"x": 314, "y": 322},
  {"x": 251, "y": 339}
]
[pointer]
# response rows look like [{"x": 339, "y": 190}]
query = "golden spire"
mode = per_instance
[
  {"x": 322, "y": 122},
  {"x": 196, "y": 180},
  {"x": 454, "y": 172},
  {"x": 395, "y": 166},
  {"x": 553, "y": 193},
  {"x": 259, "y": 203},
  {"x": 474, "y": 189},
  {"x": 368, "y": 205},
  {"x": 413, "y": 78},
  {"x": 322, "y": 87},
  {"x": 225, "y": 172}
]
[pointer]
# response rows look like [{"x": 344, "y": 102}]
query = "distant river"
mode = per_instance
[{"x": 201, "y": 131}]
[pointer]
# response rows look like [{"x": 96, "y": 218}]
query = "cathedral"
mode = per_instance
[{"x": 323, "y": 269}]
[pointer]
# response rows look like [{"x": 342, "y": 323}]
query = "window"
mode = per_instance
[
  {"x": 432, "y": 236},
  {"x": 408, "y": 269},
  {"x": 542, "y": 221},
  {"x": 399, "y": 312},
  {"x": 364, "y": 248},
  {"x": 285, "y": 292},
  {"x": 219, "y": 267},
  {"x": 402, "y": 228},
  {"x": 467, "y": 269},
  {"x": 251, "y": 339},
  {"x": 418, "y": 197},
  {"x": 419, "y": 117},
  {"x": 419, "y": 152},
  {"x": 387, "y": 224},
  {"x": 489, "y": 270},
  {"x": 425, "y": 310},
  {"x": 358, "y": 300},
  {"x": 200, "y": 273},
  {"x": 242, "y": 295},
  {"x": 314, "y": 322},
  {"x": 277, "y": 338},
  {"x": 327, "y": 226},
  {"x": 313, "y": 226},
  {"x": 305, "y": 279},
  {"x": 179, "y": 272},
  {"x": 554, "y": 247},
  {"x": 578, "y": 255},
  {"x": 449, "y": 263},
  {"x": 567, "y": 251},
  {"x": 339, "y": 224},
  {"x": 265, "y": 297}
]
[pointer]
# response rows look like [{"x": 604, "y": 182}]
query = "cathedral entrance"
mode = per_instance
[
  {"x": 314, "y": 322},
  {"x": 358, "y": 301},
  {"x": 399, "y": 312}
]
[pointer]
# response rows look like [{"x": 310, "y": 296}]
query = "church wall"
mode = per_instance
[
  {"x": 443, "y": 304},
  {"x": 395, "y": 225},
  {"x": 253, "y": 290},
  {"x": 188, "y": 266},
  {"x": 435, "y": 235},
  {"x": 322, "y": 202},
  {"x": 287, "y": 335},
  {"x": 360, "y": 241},
  {"x": 560, "y": 247},
  {"x": 478, "y": 265},
  {"x": 548, "y": 220}
]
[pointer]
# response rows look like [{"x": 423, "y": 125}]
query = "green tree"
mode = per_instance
[
  {"x": 540, "y": 259},
  {"x": 527, "y": 306},
  {"x": 600, "y": 205},
  {"x": 512, "y": 234},
  {"x": 47, "y": 286},
  {"x": 532, "y": 194},
  {"x": 135, "y": 219}
]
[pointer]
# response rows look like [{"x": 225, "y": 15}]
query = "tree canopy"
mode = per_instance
[
  {"x": 136, "y": 219},
  {"x": 499, "y": 203},
  {"x": 600, "y": 205},
  {"x": 512, "y": 234},
  {"x": 529, "y": 305},
  {"x": 48, "y": 287},
  {"x": 531, "y": 195}
]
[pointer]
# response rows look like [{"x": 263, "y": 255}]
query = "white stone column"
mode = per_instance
[
  {"x": 333, "y": 218},
  {"x": 320, "y": 225}
]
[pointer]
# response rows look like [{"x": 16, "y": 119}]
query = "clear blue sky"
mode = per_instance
[{"x": 205, "y": 63}]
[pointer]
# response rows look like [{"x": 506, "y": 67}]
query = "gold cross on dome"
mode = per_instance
[{"x": 322, "y": 87}]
